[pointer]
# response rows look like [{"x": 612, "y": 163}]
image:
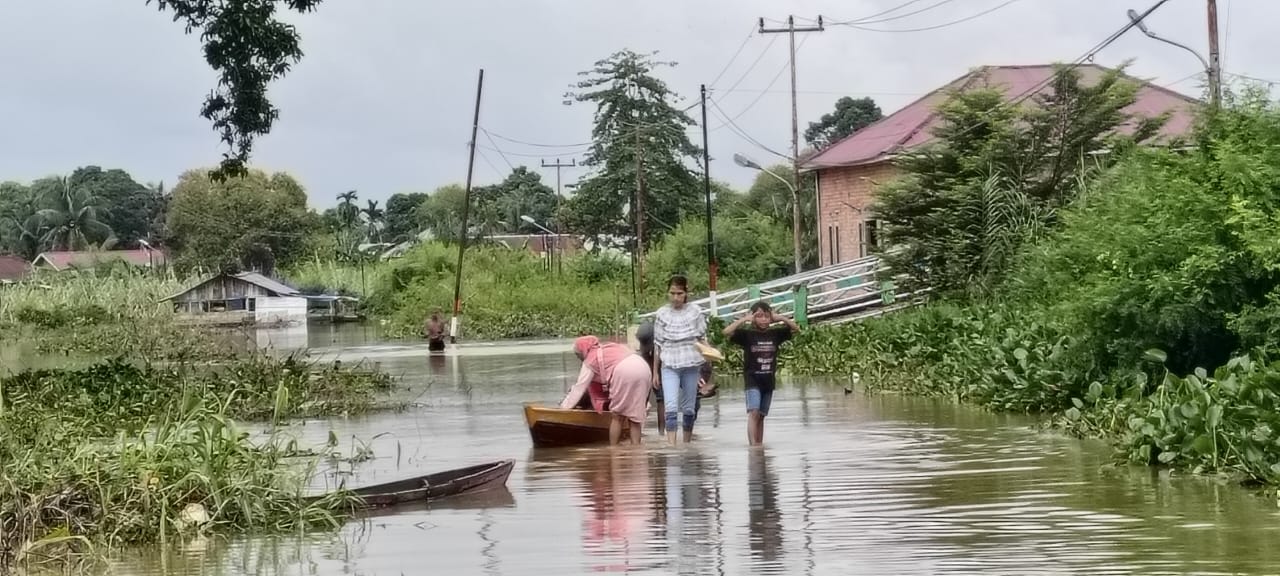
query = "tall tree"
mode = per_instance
[
  {"x": 73, "y": 217},
  {"x": 21, "y": 230},
  {"x": 441, "y": 213},
  {"x": 636, "y": 124},
  {"x": 248, "y": 222},
  {"x": 849, "y": 116},
  {"x": 248, "y": 47},
  {"x": 131, "y": 205},
  {"x": 374, "y": 218},
  {"x": 402, "y": 223}
]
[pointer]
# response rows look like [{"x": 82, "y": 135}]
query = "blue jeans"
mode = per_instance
[
  {"x": 759, "y": 400},
  {"x": 680, "y": 395}
]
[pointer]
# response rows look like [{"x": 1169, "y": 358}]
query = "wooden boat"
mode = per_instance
[
  {"x": 553, "y": 426},
  {"x": 432, "y": 487}
]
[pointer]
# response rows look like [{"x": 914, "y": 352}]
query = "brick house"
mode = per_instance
[{"x": 849, "y": 171}]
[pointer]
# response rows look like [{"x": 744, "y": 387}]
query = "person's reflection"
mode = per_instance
[
  {"x": 618, "y": 501},
  {"x": 686, "y": 488},
  {"x": 765, "y": 527}
]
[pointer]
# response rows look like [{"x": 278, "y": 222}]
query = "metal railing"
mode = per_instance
[{"x": 831, "y": 294}]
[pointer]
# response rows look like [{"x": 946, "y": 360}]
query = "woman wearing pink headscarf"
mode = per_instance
[{"x": 623, "y": 373}]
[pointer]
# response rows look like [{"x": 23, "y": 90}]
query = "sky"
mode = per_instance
[{"x": 382, "y": 100}]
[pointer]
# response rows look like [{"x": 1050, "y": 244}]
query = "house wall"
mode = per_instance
[
  {"x": 222, "y": 288},
  {"x": 845, "y": 197},
  {"x": 278, "y": 310}
]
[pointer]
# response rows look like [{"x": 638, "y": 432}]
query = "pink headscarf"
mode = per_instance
[{"x": 602, "y": 357}]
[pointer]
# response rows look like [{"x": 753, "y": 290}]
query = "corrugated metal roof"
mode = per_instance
[
  {"x": 13, "y": 268},
  {"x": 254, "y": 278},
  {"x": 913, "y": 125},
  {"x": 61, "y": 260},
  {"x": 267, "y": 284}
]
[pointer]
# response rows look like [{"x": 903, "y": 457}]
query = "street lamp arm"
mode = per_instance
[
  {"x": 1193, "y": 52},
  {"x": 790, "y": 186}
]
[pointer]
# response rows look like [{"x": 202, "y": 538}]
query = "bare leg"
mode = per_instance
[
  {"x": 662, "y": 419},
  {"x": 636, "y": 429},
  {"x": 615, "y": 429},
  {"x": 688, "y": 436},
  {"x": 760, "y": 430},
  {"x": 754, "y": 424}
]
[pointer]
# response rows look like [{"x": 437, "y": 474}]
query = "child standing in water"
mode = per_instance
[{"x": 760, "y": 343}]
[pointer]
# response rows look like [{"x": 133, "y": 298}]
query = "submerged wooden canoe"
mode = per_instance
[
  {"x": 553, "y": 426},
  {"x": 432, "y": 487}
]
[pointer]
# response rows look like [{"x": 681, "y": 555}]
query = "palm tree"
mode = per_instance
[
  {"x": 375, "y": 216},
  {"x": 348, "y": 213},
  {"x": 73, "y": 218}
]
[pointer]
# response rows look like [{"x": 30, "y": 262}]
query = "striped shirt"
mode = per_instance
[{"x": 676, "y": 331}]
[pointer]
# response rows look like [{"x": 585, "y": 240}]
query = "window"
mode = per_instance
[
  {"x": 873, "y": 233},
  {"x": 253, "y": 304}
]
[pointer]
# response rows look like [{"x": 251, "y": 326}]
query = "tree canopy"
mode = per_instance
[
  {"x": 636, "y": 125},
  {"x": 248, "y": 222},
  {"x": 249, "y": 47},
  {"x": 849, "y": 116}
]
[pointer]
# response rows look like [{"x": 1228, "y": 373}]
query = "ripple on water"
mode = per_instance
[{"x": 846, "y": 485}]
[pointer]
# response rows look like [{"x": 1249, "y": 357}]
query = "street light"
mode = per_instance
[
  {"x": 745, "y": 162},
  {"x": 556, "y": 246},
  {"x": 1137, "y": 20}
]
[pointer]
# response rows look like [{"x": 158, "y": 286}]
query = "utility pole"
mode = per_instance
[
  {"x": 1215, "y": 67},
  {"x": 558, "y": 165},
  {"x": 466, "y": 210},
  {"x": 712, "y": 265},
  {"x": 791, "y": 30},
  {"x": 639, "y": 213}
]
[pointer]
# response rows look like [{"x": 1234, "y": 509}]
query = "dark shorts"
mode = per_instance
[{"x": 435, "y": 345}]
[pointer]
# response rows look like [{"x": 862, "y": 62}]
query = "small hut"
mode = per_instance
[{"x": 243, "y": 298}]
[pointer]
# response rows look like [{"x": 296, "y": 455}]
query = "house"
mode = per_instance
[
  {"x": 539, "y": 244},
  {"x": 849, "y": 171},
  {"x": 59, "y": 261},
  {"x": 246, "y": 297},
  {"x": 13, "y": 269}
]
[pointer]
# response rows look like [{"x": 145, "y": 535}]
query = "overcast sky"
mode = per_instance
[{"x": 381, "y": 102}]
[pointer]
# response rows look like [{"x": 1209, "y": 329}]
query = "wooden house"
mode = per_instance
[{"x": 243, "y": 298}]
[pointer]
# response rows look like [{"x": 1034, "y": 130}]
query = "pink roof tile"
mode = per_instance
[
  {"x": 13, "y": 268},
  {"x": 64, "y": 260},
  {"x": 913, "y": 125}
]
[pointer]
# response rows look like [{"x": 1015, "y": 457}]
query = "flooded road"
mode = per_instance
[{"x": 846, "y": 484}]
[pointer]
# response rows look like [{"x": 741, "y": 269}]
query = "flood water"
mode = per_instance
[{"x": 846, "y": 484}]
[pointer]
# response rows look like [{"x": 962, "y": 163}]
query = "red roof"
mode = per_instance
[
  {"x": 13, "y": 268},
  {"x": 64, "y": 260},
  {"x": 913, "y": 125}
]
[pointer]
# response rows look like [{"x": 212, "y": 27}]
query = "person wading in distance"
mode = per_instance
[
  {"x": 677, "y": 329},
  {"x": 760, "y": 339}
]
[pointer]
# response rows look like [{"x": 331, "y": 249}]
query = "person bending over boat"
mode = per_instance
[
  {"x": 706, "y": 385},
  {"x": 678, "y": 328},
  {"x": 434, "y": 330},
  {"x": 625, "y": 377},
  {"x": 760, "y": 343}
]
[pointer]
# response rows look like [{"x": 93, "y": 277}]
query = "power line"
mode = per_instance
[
  {"x": 935, "y": 27},
  {"x": 733, "y": 127},
  {"x": 750, "y": 33},
  {"x": 907, "y": 15},
  {"x": 762, "y": 93},
  {"x": 499, "y": 150},
  {"x": 535, "y": 144},
  {"x": 755, "y": 62},
  {"x": 882, "y": 13}
]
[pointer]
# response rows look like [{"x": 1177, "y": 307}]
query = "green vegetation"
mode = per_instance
[
  {"x": 1144, "y": 312},
  {"x": 119, "y": 453}
]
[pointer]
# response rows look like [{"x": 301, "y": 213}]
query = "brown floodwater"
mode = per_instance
[{"x": 846, "y": 484}]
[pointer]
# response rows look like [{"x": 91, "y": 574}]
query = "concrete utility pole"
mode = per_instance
[
  {"x": 558, "y": 165},
  {"x": 791, "y": 30},
  {"x": 1215, "y": 66},
  {"x": 712, "y": 264},
  {"x": 466, "y": 210}
]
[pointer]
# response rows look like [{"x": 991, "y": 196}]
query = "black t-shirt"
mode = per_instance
[{"x": 760, "y": 354}]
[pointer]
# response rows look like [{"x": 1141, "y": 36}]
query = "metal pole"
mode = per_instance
[
  {"x": 466, "y": 210},
  {"x": 1215, "y": 63},
  {"x": 712, "y": 268}
]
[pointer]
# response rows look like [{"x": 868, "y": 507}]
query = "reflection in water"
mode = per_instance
[
  {"x": 865, "y": 484},
  {"x": 766, "y": 519}
]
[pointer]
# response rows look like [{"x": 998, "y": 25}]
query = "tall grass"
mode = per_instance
[
  {"x": 118, "y": 453},
  {"x": 72, "y": 299}
]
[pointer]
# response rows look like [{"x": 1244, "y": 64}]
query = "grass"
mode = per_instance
[{"x": 116, "y": 454}]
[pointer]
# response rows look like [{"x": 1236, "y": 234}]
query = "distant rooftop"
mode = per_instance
[{"x": 62, "y": 260}]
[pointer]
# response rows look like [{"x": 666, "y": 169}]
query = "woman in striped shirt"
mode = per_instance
[{"x": 677, "y": 327}]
